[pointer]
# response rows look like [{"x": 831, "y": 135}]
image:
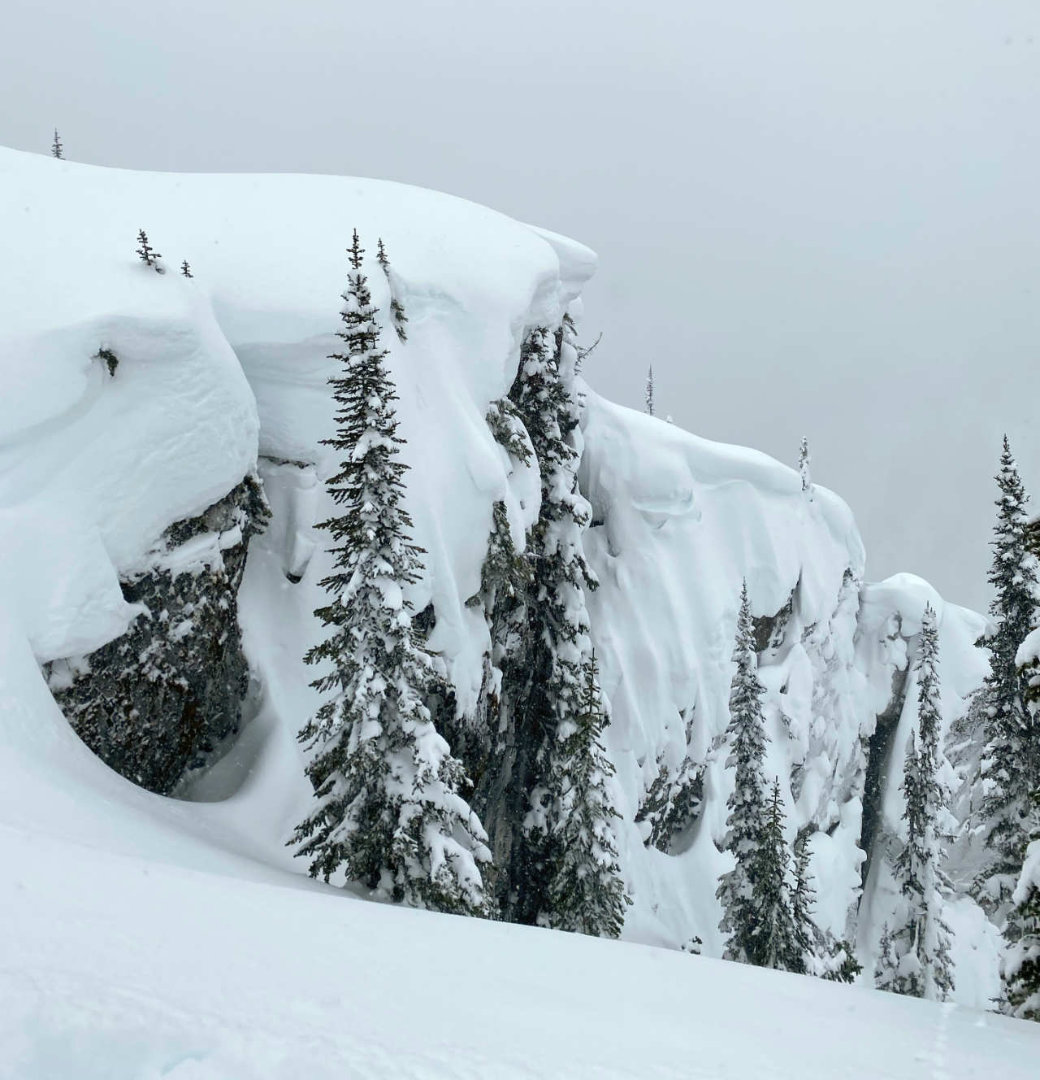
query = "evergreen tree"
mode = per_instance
[
  {"x": 57, "y": 150},
  {"x": 745, "y": 825},
  {"x": 1011, "y": 763},
  {"x": 1020, "y": 970},
  {"x": 922, "y": 944},
  {"x": 586, "y": 893},
  {"x": 650, "y": 390},
  {"x": 803, "y": 903},
  {"x": 818, "y": 952},
  {"x": 397, "y": 314},
  {"x": 389, "y": 811},
  {"x": 803, "y": 468},
  {"x": 887, "y": 961},
  {"x": 774, "y": 938},
  {"x": 547, "y": 678},
  {"x": 186, "y": 269},
  {"x": 486, "y": 739},
  {"x": 148, "y": 255},
  {"x": 929, "y": 707}
]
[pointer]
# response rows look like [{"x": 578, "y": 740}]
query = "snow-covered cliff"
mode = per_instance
[{"x": 225, "y": 373}]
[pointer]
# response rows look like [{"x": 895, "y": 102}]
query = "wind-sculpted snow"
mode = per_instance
[{"x": 150, "y": 937}]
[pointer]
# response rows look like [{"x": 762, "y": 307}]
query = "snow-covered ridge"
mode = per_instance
[{"x": 230, "y": 366}]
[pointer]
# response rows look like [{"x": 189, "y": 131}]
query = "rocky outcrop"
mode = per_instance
[{"x": 158, "y": 701}]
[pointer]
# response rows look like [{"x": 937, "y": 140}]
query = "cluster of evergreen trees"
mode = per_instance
[
  {"x": 767, "y": 905},
  {"x": 393, "y": 803},
  {"x": 402, "y": 785},
  {"x": 152, "y": 258}
]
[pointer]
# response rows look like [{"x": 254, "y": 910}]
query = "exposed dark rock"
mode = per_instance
[
  {"x": 879, "y": 752},
  {"x": 770, "y": 629},
  {"x": 156, "y": 702}
]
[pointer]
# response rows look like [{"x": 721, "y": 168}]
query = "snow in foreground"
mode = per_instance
[{"x": 120, "y": 967}]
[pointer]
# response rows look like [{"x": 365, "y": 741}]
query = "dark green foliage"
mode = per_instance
[
  {"x": 545, "y": 681},
  {"x": 1020, "y": 970},
  {"x": 803, "y": 902},
  {"x": 389, "y": 812},
  {"x": 673, "y": 801},
  {"x": 920, "y": 945},
  {"x": 585, "y": 891},
  {"x": 147, "y": 254},
  {"x": 773, "y": 939},
  {"x": 110, "y": 359},
  {"x": 745, "y": 824},
  {"x": 1011, "y": 765},
  {"x": 503, "y": 418}
]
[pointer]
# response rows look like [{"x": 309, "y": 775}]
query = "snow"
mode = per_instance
[
  {"x": 1029, "y": 650},
  {"x": 147, "y": 937}
]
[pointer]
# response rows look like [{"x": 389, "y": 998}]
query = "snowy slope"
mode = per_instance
[{"x": 149, "y": 937}]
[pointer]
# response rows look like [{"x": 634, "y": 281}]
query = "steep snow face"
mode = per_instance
[
  {"x": 678, "y": 523},
  {"x": 232, "y": 363}
]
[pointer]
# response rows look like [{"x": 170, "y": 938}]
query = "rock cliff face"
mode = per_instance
[{"x": 159, "y": 700}]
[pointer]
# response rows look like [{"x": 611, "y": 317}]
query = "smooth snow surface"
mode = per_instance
[{"x": 147, "y": 937}]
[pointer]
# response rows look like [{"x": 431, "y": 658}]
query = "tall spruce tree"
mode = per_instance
[
  {"x": 803, "y": 902},
  {"x": 919, "y": 958},
  {"x": 917, "y": 961},
  {"x": 1011, "y": 763},
  {"x": 586, "y": 893},
  {"x": 745, "y": 825},
  {"x": 389, "y": 813},
  {"x": 57, "y": 150},
  {"x": 649, "y": 395},
  {"x": 1020, "y": 969},
  {"x": 547, "y": 677},
  {"x": 774, "y": 939}
]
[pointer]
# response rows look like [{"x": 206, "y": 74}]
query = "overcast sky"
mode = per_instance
[{"x": 814, "y": 217}]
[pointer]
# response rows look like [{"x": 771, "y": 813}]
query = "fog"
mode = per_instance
[{"x": 812, "y": 219}]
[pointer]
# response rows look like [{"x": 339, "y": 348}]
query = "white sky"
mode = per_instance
[{"x": 814, "y": 217}]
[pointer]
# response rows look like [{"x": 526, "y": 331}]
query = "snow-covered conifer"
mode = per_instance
[
  {"x": 774, "y": 940},
  {"x": 1020, "y": 970},
  {"x": 745, "y": 825},
  {"x": 803, "y": 902},
  {"x": 548, "y": 677},
  {"x": 921, "y": 944},
  {"x": 649, "y": 397},
  {"x": 1011, "y": 763},
  {"x": 389, "y": 813},
  {"x": 57, "y": 150},
  {"x": 397, "y": 315},
  {"x": 147, "y": 254},
  {"x": 186, "y": 269},
  {"x": 887, "y": 961},
  {"x": 585, "y": 891}
]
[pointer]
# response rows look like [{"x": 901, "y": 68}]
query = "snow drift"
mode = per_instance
[{"x": 224, "y": 374}]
